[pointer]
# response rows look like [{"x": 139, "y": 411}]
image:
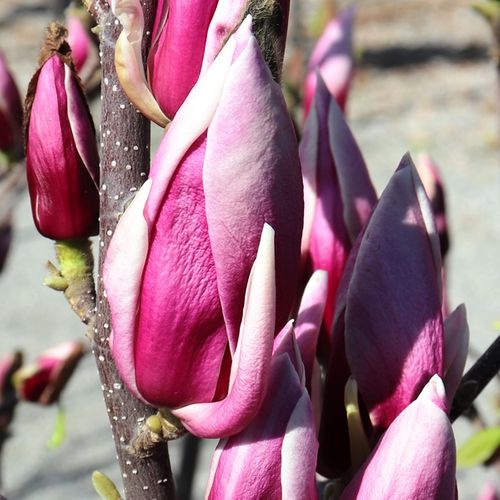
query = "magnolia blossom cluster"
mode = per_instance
[{"x": 259, "y": 288}]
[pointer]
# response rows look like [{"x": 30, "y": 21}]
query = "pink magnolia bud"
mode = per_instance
[
  {"x": 338, "y": 193},
  {"x": 176, "y": 55},
  {"x": 186, "y": 38},
  {"x": 415, "y": 458},
  {"x": 333, "y": 59},
  {"x": 180, "y": 258},
  {"x": 83, "y": 49},
  {"x": 275, "y": 456},
  {"x": 11, "y": 114},
  {"x": 43, "y": 380},
  {"x": 488, "y": 492},
  {"x": 61, "y": 151}
]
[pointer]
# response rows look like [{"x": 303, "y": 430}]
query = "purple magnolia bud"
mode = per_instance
[
  {"x": 44, "y": 379},
  {"x": 275, "y": 456},
  {"x": 180, "y": 258},
  {"x": 415, "y": 458},
  {"x": 61, "y": 151},
  {"x": 393, "y": 323},
  {"x": 11, "y": 114},
  {"x": 388, "y": 328},
  {"x": 338, "y": 193},
  {"x": 333, "y": 59}
]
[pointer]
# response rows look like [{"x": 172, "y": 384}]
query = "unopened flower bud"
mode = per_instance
[
  {"x": 11, "y": 114},
  {"x": 62, "y": 162},
  {"x": 44, "y": 379}
]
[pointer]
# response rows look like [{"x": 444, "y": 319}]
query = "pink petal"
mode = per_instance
[
  {"x": 250, "y": 464},
  {"x": 269, "y": 192},
  {"x": 414, "y": 459},
  {"x": 251, "y": 363},
  {"x": 226, "y": 17},
  {"x": 333, "y": 57},
  {"x": 309, "y": 319},
  {"x": 393, "y": 324},
  {"x": 180, "y": 318},
  {"x": 83, "y": 51},
  {"x": 122, "y": 275},
  {"x": 174, "y": 62},
  {"x": 334, "y": 450},
  {"x": 11, "y": 112},
  {"x": 298, "y": 453},
  {"x": 128, "y": 59}
]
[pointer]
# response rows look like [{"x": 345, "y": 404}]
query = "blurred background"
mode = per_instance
[{"x": 425, "y": 81}]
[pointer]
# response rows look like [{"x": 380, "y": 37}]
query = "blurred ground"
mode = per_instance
[{"x": 426, "y": 83}]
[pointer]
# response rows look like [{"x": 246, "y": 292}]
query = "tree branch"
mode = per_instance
[
  {"x": 125, "y": 156},
  {"x": 476, "y": 379}
]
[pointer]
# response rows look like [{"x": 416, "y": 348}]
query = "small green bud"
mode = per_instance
[
  {"x": 154, "y": 424},
  {"x": 104, "y": 486}
]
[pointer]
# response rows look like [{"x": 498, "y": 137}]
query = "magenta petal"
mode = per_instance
[
  {"x": 309, "y": 319},
  {"x": 11, "y": 112},
  {"x": 180, "y": 319},
  {"x": 393, "y": 324},
  {"x": 122, "y": 274},
  {"x": 83, "y": 51},
  {"x": 250, "y": 464},
  {"x": 414, "y": 459},
  {"x": 226, "y": 17},
  {"x": 333, "y": 57},
  {"x": 298, "y": 453},
  {"x": 338, "y": 193},
  {"x": 269, "y": 192},
  {"x": 456, "y": 347},
  {"x": 252, "y": 359},
  {"x": 171, "y": 75}
]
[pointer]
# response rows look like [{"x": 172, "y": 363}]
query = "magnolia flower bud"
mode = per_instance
[
  {"x": 275, "y": 456},
  {"x": 228, "y": 165},
  {"x": 11, "y": 114},
  {"x": 83, "y": 49},
  {"x": 61, "y": 151},
  {"x": 333, "y": 59},
  {"x": 186, "y": 38},
  {"x": 44, "y": 379},
  {"x": 415, "y": 458}
]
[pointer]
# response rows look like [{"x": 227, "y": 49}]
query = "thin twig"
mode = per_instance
[{"x": 476, "y": 379}]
